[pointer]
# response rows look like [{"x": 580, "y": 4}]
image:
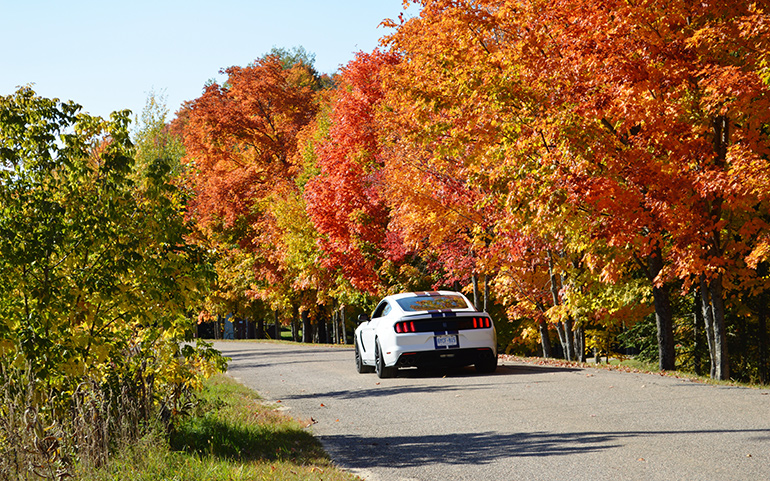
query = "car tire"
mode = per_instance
[
  {"x": 382, "y": 370},
  {"x": 487, "y": 365},
  {"x": 360, "y": 366}
]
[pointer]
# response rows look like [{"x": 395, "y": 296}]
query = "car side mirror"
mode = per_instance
[{"x": 363, "y": 318}]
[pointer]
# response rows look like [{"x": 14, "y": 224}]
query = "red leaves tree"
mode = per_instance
[{"x": 345, "y": 199}]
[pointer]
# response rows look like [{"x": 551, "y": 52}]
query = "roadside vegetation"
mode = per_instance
[{"x": 228, "y": 434}]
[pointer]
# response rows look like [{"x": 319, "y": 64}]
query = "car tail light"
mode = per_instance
[
  {"x": 481, "y": 323},
  {"x": 443, "y": 324},
  {"x": 407, "y": 326}
]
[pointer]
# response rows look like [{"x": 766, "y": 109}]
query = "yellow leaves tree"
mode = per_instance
[{"x": 96, "y": 271}]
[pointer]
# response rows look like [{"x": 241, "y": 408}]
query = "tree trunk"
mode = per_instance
[
  {"x": 705, "y": 307},
  {"x": 476, "y": 293},
  {"x": 560, "y": 325},
  {"x": 711, "y": 289},
  {"x": 720, "y": 329},
  {"x": 563, "y": 328},
  {"x": 663, "y": 318},
  {"x": 260, "y": 328},
  {"x": 714, "y": 317},
  {"x": 344, "y": 326},
  {"x": 307, "y": 331},
  {"x": 334, "y": 333},
  {"x": 545, "y": 340},
  {"x": 323, "y": 334},
  {"x": 580, "y": 344},
  {"x": 568, "y": 326},
  {"x": 277, "y": 325},
  {"x": 486, "y": 292},
  {"x": 762, "y": 338},
  {"x": 698, "y": 316},
  {"x": 565, "y": 340},
  {"x": 295, "y": 324},
  {"x": 338, "y": 326}
]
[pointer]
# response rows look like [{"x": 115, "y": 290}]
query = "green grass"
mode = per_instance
[{"x": 232, "y": 435}]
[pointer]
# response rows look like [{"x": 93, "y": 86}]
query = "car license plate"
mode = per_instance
[{"x": 446, "y": 341}]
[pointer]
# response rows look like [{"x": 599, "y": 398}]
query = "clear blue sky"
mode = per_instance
[{"x": 108, "y": 55}]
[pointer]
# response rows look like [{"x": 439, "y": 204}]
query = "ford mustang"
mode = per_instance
[{"x": 425, "y": 329}]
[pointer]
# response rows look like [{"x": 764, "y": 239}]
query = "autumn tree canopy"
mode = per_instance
[
  {"x": 593, "y": 162},
  {"x": 616, "y": 133}
]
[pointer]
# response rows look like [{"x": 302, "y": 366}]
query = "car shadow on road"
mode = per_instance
[
  {"x": 502, "y": 370},
  {"x": 380, "y": 391},
  {"x": 460, "y": 448},
  {"x": 379, "y": 388},
  {"x": 361, "y": 452}
]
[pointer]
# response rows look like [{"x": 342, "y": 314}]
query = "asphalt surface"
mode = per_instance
[{"x": 524, "y": 422}]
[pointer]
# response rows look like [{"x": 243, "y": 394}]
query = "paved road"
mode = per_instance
[{"x": 524, "y": 422}]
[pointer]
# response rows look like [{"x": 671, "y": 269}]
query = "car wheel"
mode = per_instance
[
  {"x": 360, "y": 366},
  {"x": 487, "y": 365},
  {"x": 379, "y": 365}
]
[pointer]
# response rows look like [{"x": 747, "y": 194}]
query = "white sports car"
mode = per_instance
[{"x": 425, "y": 329}]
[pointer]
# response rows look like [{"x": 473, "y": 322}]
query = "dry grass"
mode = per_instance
[{"x": 231, "y": 435}]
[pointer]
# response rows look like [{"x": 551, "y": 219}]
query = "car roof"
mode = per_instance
[{"x": 404, "y": 295}]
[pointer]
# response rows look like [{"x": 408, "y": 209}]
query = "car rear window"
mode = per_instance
[{"x": 432, "y": 303}]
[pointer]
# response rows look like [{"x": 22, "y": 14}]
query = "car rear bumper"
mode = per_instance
[{"x": 445, "y": 357}]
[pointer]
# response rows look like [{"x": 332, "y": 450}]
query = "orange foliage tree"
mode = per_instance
[
  {"x": 240, "y": 138},
  {"x": 625, "y": 129},
  {"x": 659, "y": 118}
]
